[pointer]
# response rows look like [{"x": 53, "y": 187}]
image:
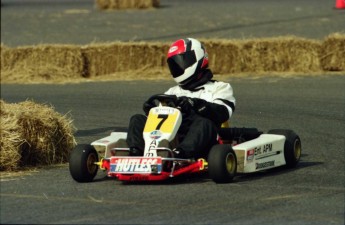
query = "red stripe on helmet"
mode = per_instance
[
  {"x": 177, "y": 47},
  {"x": 204, "y": 62}
]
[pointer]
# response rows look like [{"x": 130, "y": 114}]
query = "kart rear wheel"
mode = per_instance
[
  {"x": 222, "y": 163},
  {"x": 292, "y": 146},
  {"x": 82, "y": 163}
]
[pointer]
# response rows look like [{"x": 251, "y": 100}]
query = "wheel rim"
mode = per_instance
[
  {"x": 90, "y": 163},
  {"x": 297, "y": 149},
  {"x": 230, "y": 163}
]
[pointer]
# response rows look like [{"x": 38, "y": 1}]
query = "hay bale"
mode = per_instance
[
  {"x": 60, "y": 63},
  {"x": 41, "y": 63},
  {"x": 10, "y": 140},
  {"x": 103, "y": 59},
  {"x": 33, "y": 134},
  {"x": 224, "y": 56},
  {"x": 126, "y": 4},
  {"x": 284, "y": 54},
  {"x": 332, "y": 56},
  {"x": 3, "y": 49}
]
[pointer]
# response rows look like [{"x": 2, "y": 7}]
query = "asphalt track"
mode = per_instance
[
  {"x": 30, "y": 22},
  {"x": 312, "y": 193},
  {"x": 313, "y": 106}
]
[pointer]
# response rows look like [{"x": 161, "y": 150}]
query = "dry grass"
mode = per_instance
[
  {"x": 33, "y": 134},
  {"x": 126, "y": 4}
]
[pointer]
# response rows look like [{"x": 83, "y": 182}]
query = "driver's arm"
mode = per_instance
[
  {"x": 218, "y": 113},
  {"x": 220, "y": 107}
]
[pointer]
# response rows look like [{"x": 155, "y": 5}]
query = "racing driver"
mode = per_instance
[{"x": 209, "y": 102}]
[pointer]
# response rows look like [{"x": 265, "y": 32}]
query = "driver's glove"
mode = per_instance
[
  {"x": 147, "y": 106},
  {"x": 185, "y": 104}
]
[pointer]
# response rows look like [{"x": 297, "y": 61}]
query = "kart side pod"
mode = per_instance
[
  {"x": 264, "y": 152},
  {"x": 104, "y": 145}
]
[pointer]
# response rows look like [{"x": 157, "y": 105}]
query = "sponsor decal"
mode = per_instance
[
  {"x": 178, "y": 47},
  {"x": 153, "y": 145},
  {"x": 172, "y": 49},
  {"x": 257, "y": 150},
  {"x": 152, "y": 148},
  {"x": 250, "y": 155},
  {"x": 165, "y": 111},
  {"x": 263, "y": 149},
  {"x": 156, "y": 134},
  {"x": 264, "y": 165},
  {"x": 267, "y": 148},
  {"x": 134, "y": 165}
]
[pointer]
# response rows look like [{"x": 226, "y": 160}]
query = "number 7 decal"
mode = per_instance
[
  {"x": 165, "y": 122},
  {"x": 164, "y": 117}
]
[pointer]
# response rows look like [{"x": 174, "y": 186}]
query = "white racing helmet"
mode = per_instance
[{"x": 187, "y": 58}]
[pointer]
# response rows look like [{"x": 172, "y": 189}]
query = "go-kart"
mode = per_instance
[{"x": 238, "y": 151}]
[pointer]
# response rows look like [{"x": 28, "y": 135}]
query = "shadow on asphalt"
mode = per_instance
[
  {"x": 203, "y": 177},
  {"x": 274, "y": 172}
]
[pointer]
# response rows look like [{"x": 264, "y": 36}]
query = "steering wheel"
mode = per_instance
[{"x": 169, "y": 100}]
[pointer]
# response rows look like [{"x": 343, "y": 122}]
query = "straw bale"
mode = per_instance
[
  {"x": 126, "y": 4},
  {"x": 10, "y": 140},
  {"x": 60, "y": 63},
  {"x": 332, "y": 54},
  {"x": 117, "y": 57},
  {"x": 3, "y": 49},
  {"x": 33, "y": 134},
  {"x": 43, "y": 62},
  {"x": 223, "y": 56},
  {"x": 147, "y": 55},
  {"x": 284, "y": 54},
  {"x": 100, "y": 59}
]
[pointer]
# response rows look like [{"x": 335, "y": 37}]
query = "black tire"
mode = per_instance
[
  {"x": 292, "y": 146},
  {"x": 82, "y": 163},
  {"x": 222, "y": 163}
]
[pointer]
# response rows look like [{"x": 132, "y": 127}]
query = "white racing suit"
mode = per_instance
[{"x": 214, "y": 104}]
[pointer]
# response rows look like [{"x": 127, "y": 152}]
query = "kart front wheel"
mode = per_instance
[
  {"x": 222, "y": 163},
  {"x": 292, "y": 146},
  {"x": 82, "y": 163}
]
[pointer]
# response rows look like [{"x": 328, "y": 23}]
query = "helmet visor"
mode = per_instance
[{"x": 178, "y": 63}]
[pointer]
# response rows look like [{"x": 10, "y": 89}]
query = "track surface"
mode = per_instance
[
  {"x": 30, "y": 22},
  {"x": 312, "y": 193}
]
